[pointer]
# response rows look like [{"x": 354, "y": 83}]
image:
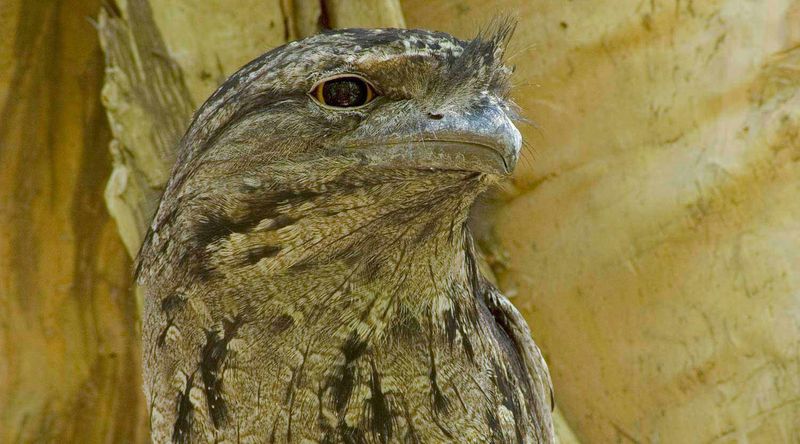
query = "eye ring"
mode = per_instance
[{"x": 344, "y": 91}]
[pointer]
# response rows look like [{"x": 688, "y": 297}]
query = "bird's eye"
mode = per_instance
[{"x": 343, "y": 92}]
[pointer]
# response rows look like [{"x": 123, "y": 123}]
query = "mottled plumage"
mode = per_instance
[{"x": 309, "y": 275}]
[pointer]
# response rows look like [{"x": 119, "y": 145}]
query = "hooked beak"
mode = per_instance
[{"x": 482, "y": 140}]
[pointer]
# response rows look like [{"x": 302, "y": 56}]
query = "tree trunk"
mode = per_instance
[
  {"x": 69, "y": 369},
  {"x": 650, "y": 236}
]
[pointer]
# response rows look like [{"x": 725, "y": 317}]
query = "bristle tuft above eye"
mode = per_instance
[
  {"x": 482, "y": 57},
  {"x": 496, "y": 35},
  {"x": 501, "y": 29}
]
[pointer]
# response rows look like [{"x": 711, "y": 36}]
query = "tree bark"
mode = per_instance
[{"x": 69, "y": 367}]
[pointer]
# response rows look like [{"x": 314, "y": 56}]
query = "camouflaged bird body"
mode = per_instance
[{"x": 294, "y": 297}]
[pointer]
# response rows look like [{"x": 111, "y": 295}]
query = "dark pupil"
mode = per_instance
[{"x": 345, "y": 92}]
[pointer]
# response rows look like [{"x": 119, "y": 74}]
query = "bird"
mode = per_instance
[{"x": 309, "y": 274}]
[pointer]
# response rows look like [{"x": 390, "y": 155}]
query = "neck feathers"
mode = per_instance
[{"x": 389, "y": 231}]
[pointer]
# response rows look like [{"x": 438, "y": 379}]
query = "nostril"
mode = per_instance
[{"x": 435, "y": 116}]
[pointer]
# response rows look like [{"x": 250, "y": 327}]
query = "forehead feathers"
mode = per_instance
[{"x": 480, "y": 57}]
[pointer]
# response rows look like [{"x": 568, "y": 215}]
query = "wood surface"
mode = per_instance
[{"x": 68, "y": 337}]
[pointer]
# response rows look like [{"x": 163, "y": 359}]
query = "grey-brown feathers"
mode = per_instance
[{"x": 300, "y": 288}]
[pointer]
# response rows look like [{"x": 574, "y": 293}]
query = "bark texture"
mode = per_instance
[{"x": 69, "y": 367}]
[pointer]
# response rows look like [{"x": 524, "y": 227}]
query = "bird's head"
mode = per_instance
[
  {"x": 390, "y": 98},
  {"x": 387, "y": 117}
]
